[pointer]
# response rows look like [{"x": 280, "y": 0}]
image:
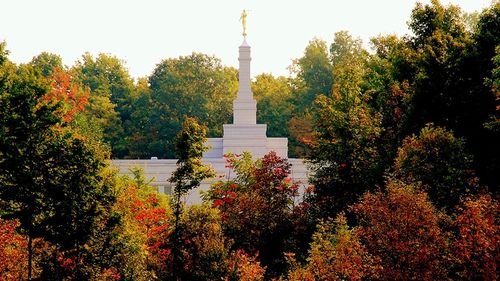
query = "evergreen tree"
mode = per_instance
[{"x": 189, "y": 174}]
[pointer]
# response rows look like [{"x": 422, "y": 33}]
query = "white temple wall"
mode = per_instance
[{"x": 159, "y": 171}]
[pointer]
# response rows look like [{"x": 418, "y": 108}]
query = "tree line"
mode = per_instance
[{"x": 402, "y": 141}]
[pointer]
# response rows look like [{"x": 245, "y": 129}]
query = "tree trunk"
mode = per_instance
[
  {"x": 30, "y": 254},
  {"x": 176, "y": 243}
]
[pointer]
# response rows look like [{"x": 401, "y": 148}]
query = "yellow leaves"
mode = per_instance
[
  {"x": 336, "y": 254},
  {"x": 247, "y": 267}
]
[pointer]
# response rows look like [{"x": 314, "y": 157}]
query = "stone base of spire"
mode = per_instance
[
  {"x": 245, "y": 112},
  {"x": 250, "y": 137},
  {"x": 246, "y": 137}
]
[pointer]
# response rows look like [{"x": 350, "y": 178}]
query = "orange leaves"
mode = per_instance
[
  {"x": 246, "y": 267},
  {"x": 13, "y": 252},
  {"x": 69, "y": 94},
  {"x": 477, "y": 246},
  {"x": 401, "y": 227},
  {"x": 152, "y": 221}
]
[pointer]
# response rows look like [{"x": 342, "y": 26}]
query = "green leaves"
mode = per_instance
[
  {"x": 189, "y": 151},
  {"x": 438, "y": 161},
  {"x": 49, "y": 178}
]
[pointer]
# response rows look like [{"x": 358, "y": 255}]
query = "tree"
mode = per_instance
[
  {"x": 244, "y": 267},
  {"x": 494, "y": 121},
  {"x": 189, "y": 174},
  {"x": 12, "y": 252},
  {"x": 49, "y": 177},
  {"x": 111, "y": 90},
  {"x": 401, "y": 228},
  {"x": 72, "y": 98},
  {"x": 142, "y": 238},
  {"x": 336, "y": 254},
  {"x": 204, "y": 249},
  {"x": 313, "y": 74},
  {"x": 192, "y": 86},
  {"x": 312, "y": 77},
  {"x": 274, "y": 104},
  {"x": 141, "y": 131},
  {"x": 47, "y": 63},
  {"x": 438, "y": 162},
  {"x": 476, "y": 247},
  {"x": 343, "y": 151},
  {"x": 344, "y": 156},
  {"x": 257, "y": 207},
  {"x": 448, "y": 80},
  {"x": 387, "y": 87}
]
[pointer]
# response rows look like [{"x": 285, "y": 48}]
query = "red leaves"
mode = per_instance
[
  {"x": 152, "y": 220},
  {"x": 13, "y": 252},
  {"x": 223, "y": 194},
  {"x": 218, "y": 202}
]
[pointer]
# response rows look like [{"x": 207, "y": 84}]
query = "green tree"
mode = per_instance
[
  {"x": 3, "y": 53},
  {"x": 448, "y": 80},
  {"x": 192, "y": 86},
  {"x": 274, "y": 104},
  {"x": 437, "y": 161},
  {"x": 387, "y": 89},
  {"x": 46, "y": 63},
  {"x": 49, "y": 177},
  {"x": 141, "y": 131},
  {"x": 189, "y": 174},
  {"x": 204, "y": 248},
  {"x": 494, "y": 121},
  {"x": 344, "y": 155},
  {"x": 313, "y": 74},
  {"x": 111, "y": 90}
]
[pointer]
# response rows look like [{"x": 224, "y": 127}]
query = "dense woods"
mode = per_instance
[{"x": 403, "y": 140}]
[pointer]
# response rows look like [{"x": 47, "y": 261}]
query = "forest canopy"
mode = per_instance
[{"x": 402, "y": 141}]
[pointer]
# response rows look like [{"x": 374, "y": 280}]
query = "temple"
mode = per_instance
[{"x": 244, "y": 134}]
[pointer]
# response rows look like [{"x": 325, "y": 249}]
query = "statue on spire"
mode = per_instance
[{"x": 243, "y": 20}]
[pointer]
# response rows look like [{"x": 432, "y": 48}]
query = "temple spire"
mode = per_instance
[{"x": 244, "y": 106}]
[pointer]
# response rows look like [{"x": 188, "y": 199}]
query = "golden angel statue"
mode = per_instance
[{"x": 243, "y": 20}]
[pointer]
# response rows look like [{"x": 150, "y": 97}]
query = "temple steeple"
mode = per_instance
[
  {"x": 244, "y": 106},
  {"x": 245, "y": 134}
]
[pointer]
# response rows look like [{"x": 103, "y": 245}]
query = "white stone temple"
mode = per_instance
[{"x": 243, "y": 135}]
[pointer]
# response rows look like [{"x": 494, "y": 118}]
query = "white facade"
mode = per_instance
[
  {"x": 243, "y": 135},
  {"x": 159, "y": 171}
]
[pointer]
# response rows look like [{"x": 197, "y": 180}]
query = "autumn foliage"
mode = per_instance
[
  {"x": 152, "y": 222},
  {"x": 68, "y": 93},
  {"x": 477, "y": 248},
  {"x": 401, "y": 227},
  {"x": 13, "y": 252},
  {"x": 402, "y": 146},
  {"x": 336, "y": 254},
  {"x": 244, "y": 267},
  {"x": 257, "y": 206}
]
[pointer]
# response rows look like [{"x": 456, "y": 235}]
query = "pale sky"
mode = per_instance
[{"x": 144, "y": 32}]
